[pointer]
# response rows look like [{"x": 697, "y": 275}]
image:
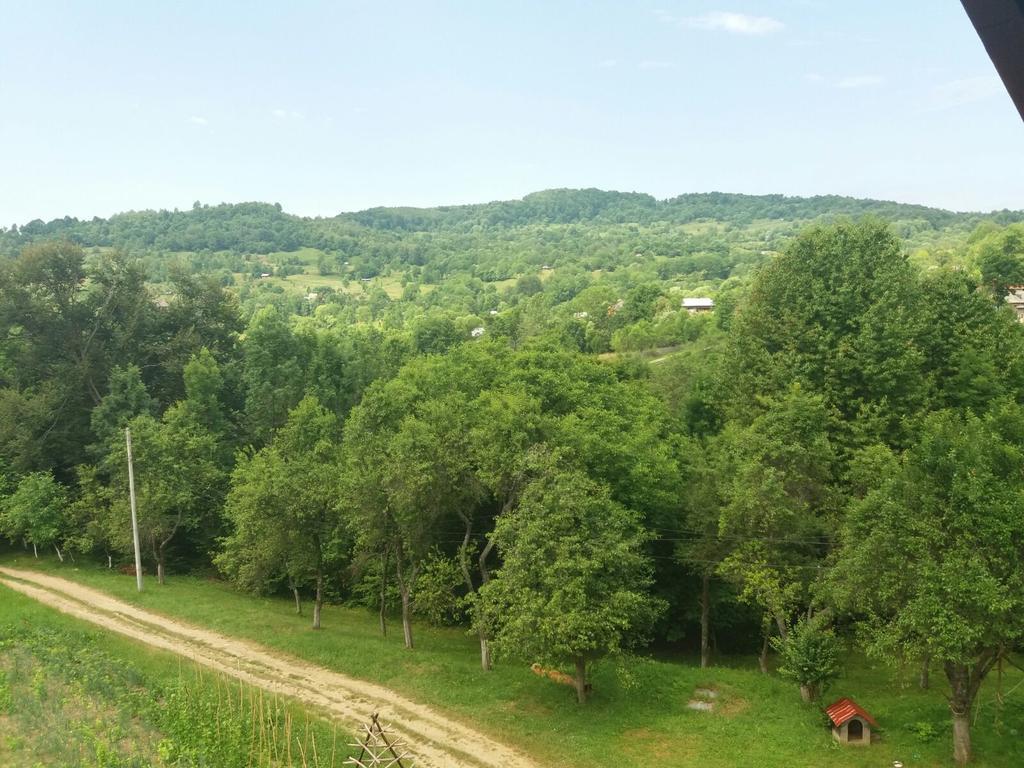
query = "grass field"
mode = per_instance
[
  {"x": 635, "y": 720},
  {"x": 77, "y": 697}
]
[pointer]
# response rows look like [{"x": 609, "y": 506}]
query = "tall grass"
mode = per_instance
[
  {"x": 63, "y": 697},
  {"x": 211, "y": 720}
]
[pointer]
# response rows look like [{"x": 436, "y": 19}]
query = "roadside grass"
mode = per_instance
[
  {"x": 637, "y": 717},
  {"x": 71, "y": 695}
]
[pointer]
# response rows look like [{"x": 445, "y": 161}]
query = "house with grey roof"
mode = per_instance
[{"x": 701, "y": 304}]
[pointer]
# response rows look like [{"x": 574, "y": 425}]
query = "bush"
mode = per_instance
[
  {"x": 809, "y": 657},
  {"x": 924, "y": 731}
]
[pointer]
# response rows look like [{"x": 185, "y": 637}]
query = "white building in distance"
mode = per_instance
[{"x": 703, "y": 304}]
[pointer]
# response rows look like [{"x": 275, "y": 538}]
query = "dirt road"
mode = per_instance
[{"x": 436, "y": 741}]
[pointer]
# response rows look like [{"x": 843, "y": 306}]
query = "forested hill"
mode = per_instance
[{"x": 262, "y": 228}]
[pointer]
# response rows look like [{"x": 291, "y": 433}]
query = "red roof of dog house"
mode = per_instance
[{"x": 844, "y": 710}]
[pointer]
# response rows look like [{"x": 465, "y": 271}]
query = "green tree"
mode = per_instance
[
  {"x": 435, "y": 334},
  {"x": 777, "y": 498},
  {"x": 93, "y": 522},
  {"x": 36, "y": 512},
  {"x": 282, "y": 509},
  {"x": 126, "y": 398},
  {"x": 930, "y": 556},
  {"x": 271, "y": 373},
  {"x": 573, "y": 582},
  {"x": 700, "y": 545},
  {"x": 1000, "y": 256},
  {"x": 62, "y": 324},
  {"x": 505, "y": 424},
  {"x": 177, "y": 478},
  {"x": 837, "y": 312},
  {"x": 201, "y": 314},
  {"x": 254, "y": 555},
  {"x": 809, "y": 656},
  {"x": 528, "y": 285}
]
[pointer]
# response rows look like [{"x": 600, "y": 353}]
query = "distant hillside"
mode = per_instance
[{"x": 262, "y": 228}]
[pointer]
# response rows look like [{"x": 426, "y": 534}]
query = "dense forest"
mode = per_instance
[{"x": 501, "y": 416}]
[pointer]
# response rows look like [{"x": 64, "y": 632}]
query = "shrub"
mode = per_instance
[{"x": 810, "y": 657}]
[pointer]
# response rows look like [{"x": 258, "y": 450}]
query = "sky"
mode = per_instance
[{"x": 338, "y": 105}]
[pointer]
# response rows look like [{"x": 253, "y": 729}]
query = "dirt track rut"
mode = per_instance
[{"x": 437, "y": 741}]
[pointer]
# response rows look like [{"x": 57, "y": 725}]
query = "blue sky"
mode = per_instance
[{"x": 331, "y": 106}]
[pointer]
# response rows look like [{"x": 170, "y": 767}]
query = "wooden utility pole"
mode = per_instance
[{"x": 135, "y": 517}]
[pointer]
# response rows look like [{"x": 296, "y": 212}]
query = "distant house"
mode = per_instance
[
  {"x": 1015, "y": 298},
  {"x": 702, "y": 304},
  {"x": 161, "y": 304},
  {"x": 581, "y": 315},
  {"x": 616, "y": 307},
  {"x": 477, "y": 332},
  {"x": 851, "y": 724},
  {"x": 312, "y": 296},
  {"x": 492, "y": 312},
  {"x": 264, "y": 274}
]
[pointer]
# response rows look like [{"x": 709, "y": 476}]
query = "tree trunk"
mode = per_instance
[
  {"x": 780, "y": 621},
  {"x": 405, "y": 589},
  {"x": 158, "y": 555},
  {"x": 298, "y": 601},
  {"x": 161, "y": 555},
  {"x": 808, "y": 692},
  {"x": 59, "y": 555},
  {"x": 705, "y": 621},
  {"x": 960, "y": 700},
  {"x": 924, "y": 680},
  {"x": 110, "y": 562},
  {"x": 964, "y": 682},
  {"x": 581, "y": 680},
  {"x": 384, "y": 592},
  {"x": 34, "y": 550},
  {"x": 485, "y": 652},
  {"x": 467, "y": 577},
  {"x": 762, "y": 660},
  {"x": 318, "y": 601},
  {"x": 961, "y": 738},
  {"x": 485, "y": 575},
  {"x": 406, "y": 616}
]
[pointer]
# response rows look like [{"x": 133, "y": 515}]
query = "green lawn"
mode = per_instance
[{"x": 759, "y": 721}]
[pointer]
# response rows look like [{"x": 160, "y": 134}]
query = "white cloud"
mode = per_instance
[
  {"x": 280, "y": 113},
  {"x": 608, "y": 63},
  {"x": 733, "y": 23},
  {"x": 197, "y": 120},
  {"x": 966, "y": 90},
  {"x": 652, "y": 64},
  {"x": 284, "y": 114},
  {"x": 859, "y": 81}
]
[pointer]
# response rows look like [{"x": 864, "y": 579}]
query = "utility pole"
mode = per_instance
[{"x": 135, "y": 518}]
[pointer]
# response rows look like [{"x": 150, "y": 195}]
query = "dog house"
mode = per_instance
[{"x": 851, "y": 724}]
